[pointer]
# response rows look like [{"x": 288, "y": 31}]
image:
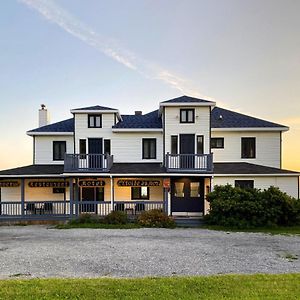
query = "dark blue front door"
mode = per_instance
[{"x": 95, "y": 147}]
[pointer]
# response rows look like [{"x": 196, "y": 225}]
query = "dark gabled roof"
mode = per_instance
[
  {"x": 231, "y": 119},
  {"x": 150, "y": 120},
  {"x": 137, "y": 168},
  {"x": 186, "y": 99},
  {"x": 247, "y": 168},
  {"x": 62, "y": 126},
  {"x": 35, "y": 170},
  {"x": 96, "y": 107}
]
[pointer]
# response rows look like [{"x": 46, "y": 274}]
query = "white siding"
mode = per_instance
[
  {"x": 286, "y": 184},
  {"x": 127, "y": 147},
  {"x": 44, "y": 148},
  {"x": 200, "y": 127},
  {"x": 267, "y": 148},
  {"x": 83, "y": 132}
]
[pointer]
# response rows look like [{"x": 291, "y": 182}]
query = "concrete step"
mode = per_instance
[{"x": 188, "y": 221}]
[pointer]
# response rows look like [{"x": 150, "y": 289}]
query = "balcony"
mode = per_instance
[
  {"x": 194, "y": 163},
  {"x": 88, "y": 163}
]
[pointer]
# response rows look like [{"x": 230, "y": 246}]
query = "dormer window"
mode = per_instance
[
  {"x": 187, "y": 115},
  {"x": 94, "y": 121}
]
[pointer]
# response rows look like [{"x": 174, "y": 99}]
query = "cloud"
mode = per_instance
[{"x": 59, "y": 16}]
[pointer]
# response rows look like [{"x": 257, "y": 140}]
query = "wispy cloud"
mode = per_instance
[{"x": 56, "y": 14}]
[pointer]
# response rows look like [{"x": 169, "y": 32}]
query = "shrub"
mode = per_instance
[
  {"x": 116, "y": 217},
  {"x": 85, "y": 219},
  {"x": 155, "y": 218},
  {"x": 245, "y": 208}
]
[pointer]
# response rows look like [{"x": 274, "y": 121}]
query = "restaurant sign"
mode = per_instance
[
  {"x": 9, "y": 184},
  {"x": 91, "y": 183},
  {"x": 44, "y": 184},
  {"x": 137, "y": 182}
]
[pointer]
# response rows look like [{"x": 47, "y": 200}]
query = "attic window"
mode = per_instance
[
  {"x": 94, "y": 121},
  {"x": 187, "y": 116}
]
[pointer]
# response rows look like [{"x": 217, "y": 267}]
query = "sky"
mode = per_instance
[{"x": 132, "y": 54}]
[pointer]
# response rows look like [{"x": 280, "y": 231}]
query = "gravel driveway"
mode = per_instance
[{"x": 35, "y": 251}]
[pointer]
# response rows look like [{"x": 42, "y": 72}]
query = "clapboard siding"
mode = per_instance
[
  {"x": 286, "y": 184},
  {"x": 174, "y": 127},
  {"x": 83, "y": 132},
  {"x": 268, "y": 146},
  {"x": 127, "y": 147},
  {"x": 44, "y": 148}
]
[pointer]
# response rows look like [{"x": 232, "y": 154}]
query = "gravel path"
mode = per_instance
[{"x": 35, "y": 251}]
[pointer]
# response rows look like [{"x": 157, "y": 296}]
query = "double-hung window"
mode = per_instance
[
  {"x": 59, "y": 150},
  {"x": 187, "y": 115},
  {"x": 149, "y": 148},
  {"x": 94, "y": 121},
  {"x": 244, "y": 184},
  {"x": 248, "y": 147}
]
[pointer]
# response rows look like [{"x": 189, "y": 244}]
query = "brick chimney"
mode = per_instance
[{"x": 44, "y": 118}]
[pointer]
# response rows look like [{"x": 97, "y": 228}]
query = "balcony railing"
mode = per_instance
[
  {"x": 88, "y": 162},
  {"x": 189, "y": 162}
]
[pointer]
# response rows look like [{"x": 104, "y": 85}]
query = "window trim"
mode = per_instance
[
  {"x": 186, "y": 111},
  {"x": 53, "y": 150},
  {"x": 140, "y": 190},
  {"x": 143, "y": 147},
  {"x": 243, "y": 154},
  {"x": 94, "y": 116},
  {"x": 217, "y": 138}
]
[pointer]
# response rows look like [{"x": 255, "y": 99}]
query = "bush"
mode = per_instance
[
  {"x": 116, "y": 217},
  {"x": 246, "y": 208},
  {"x": 155, "y": 218},
  {"x": 85, "y": 219}
]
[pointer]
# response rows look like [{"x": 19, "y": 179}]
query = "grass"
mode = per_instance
[
  {"x": 97, "y": 226},
  {"x": 284, "y": 230},
  {"x": 213, "y": 287}
]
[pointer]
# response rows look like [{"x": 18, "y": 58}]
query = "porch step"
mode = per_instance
[{"x": 189, "y": 221}]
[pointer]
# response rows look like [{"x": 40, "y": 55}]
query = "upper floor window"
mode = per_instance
[
  {"x": 187, "y": 115},
  {"x": 200, "y": 144},
  {"x": 217, "y": 143},
  {"x": 107, "y": 147},
  {"x": 59, "y": 150},
  {"x": 244, "y": 184},
  {"x": 174, "y": 144},
  {"x": 149, "y": 148},
  {"x": 248, "y": 147},
  {"x": 82, "y": 148},
  {"x": 94, "y": 121}
]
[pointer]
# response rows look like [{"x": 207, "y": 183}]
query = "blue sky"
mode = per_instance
[{"x": 133, "y": 54}]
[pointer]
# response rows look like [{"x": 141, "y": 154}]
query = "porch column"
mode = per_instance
[
  {"x": 23, "y": 196},
  {"x": 76, "y": 197},
  {"x": 112, "y": 193},
  {"x": 71, "y": 187}
]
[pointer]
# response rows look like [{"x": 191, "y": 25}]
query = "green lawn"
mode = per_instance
[
  {"x": 271, "y": 230},
  {"x": 214, "y": 287}
]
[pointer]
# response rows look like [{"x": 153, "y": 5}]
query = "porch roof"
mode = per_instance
[
  {"x": 137, "y": 168},
  {"x": 235, "y": 168},
  {"x": 34, "y": 170}
]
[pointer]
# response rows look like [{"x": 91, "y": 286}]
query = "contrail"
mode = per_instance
[{"x": 54, "y": 13}]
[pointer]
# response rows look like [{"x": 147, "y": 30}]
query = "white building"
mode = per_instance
[{"x": 100, "y": 160}]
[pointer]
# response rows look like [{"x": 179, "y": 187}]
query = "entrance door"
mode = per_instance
[
  {"x": 187, "y": 195},
  {"x": 95, "y": 147},
  {"x": 187, "y": 146},
  {"x": 91, "y": 195}
]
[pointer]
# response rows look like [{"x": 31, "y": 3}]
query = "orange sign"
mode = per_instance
[{"x": 167, "y": 183}]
